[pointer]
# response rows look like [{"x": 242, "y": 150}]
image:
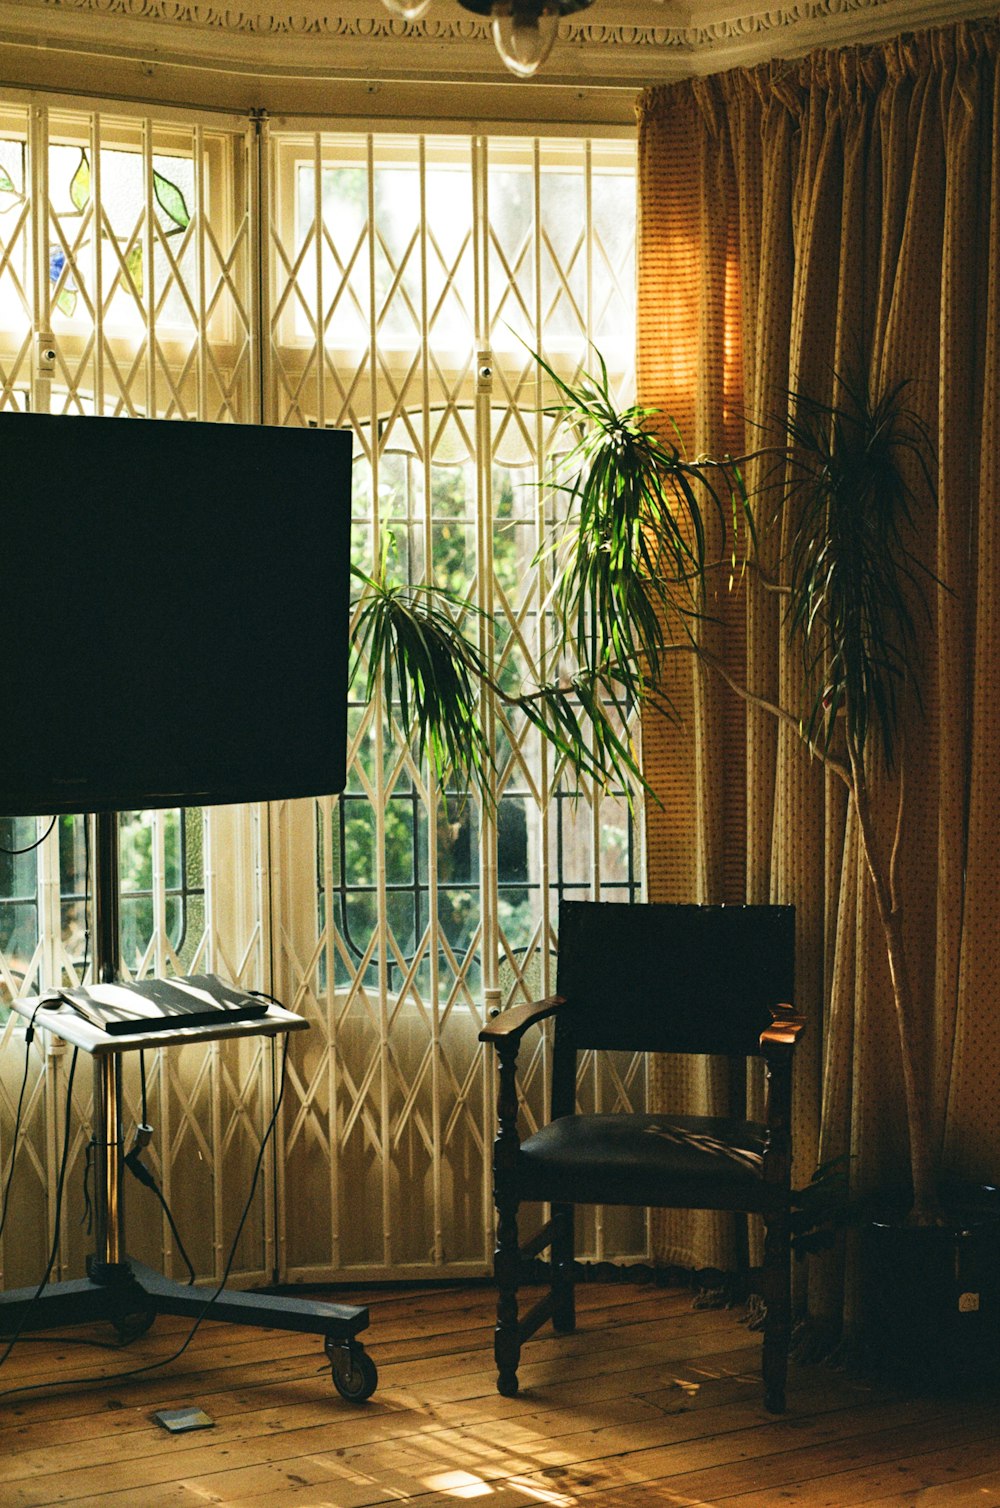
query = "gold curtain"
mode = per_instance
[{"x": 840, "y": 214}]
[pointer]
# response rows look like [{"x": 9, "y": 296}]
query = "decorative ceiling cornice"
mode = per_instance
[
  {"x": 453, "y": 25},
  {"x": 281, "y": 55},
  {"x": 591, "y": 28},
  {"x": 764, "y": 24},
  {"x": 380, "y": 29},
  {"x": 586, "y": 29}
]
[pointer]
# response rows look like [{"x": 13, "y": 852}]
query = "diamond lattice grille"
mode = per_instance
[{"x": 412, "y": 278}]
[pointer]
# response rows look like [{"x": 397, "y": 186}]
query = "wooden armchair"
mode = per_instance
[{"x": 654, "y": 978}]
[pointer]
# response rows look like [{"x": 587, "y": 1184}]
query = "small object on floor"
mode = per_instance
[{"x": 179, "y": 1420}]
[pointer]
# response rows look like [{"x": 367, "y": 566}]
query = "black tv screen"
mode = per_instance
[{"x": 174, "y": 620}]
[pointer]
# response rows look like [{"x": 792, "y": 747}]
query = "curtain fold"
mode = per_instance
[{"x": 839, "y": 215}]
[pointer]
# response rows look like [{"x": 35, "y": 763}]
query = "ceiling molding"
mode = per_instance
[{"x": 284, "y": 57}]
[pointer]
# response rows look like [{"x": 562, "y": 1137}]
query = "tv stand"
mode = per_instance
[{"x": 116, "y": 1288}]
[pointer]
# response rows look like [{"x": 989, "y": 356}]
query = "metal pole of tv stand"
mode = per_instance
[{"x": 126, "y": 1292}]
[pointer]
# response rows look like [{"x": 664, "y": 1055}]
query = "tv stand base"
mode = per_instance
[
  {"x": 124, "y": 1292},
  {"x": 130, "y": 1295}
]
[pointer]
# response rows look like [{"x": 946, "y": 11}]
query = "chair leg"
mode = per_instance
[
  {"x": 563, "y": 1297},
  {"x": 506, "y": 1339},
  {"x": 778, "y": 1310}
]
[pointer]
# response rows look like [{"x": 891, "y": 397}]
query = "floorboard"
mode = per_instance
[{"x": 650, "y": 1402}]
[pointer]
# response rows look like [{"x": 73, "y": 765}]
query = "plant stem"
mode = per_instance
[
  {"x": 780, "y": 713},
  {"x": 926, "y": 1207}
]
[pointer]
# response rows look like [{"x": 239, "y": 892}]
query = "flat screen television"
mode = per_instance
[{"x": 174, "y": 613}]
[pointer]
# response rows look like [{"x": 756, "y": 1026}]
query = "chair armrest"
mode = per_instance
[
  {"x": 505, "y": 1032},
  {"x": 777, "y": 1041},
  {"x": 510, "y": 1026}
]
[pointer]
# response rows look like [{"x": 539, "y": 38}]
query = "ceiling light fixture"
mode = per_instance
[
  {"x": 523, "y": 30},
  {"x": 407, "y": 10}
]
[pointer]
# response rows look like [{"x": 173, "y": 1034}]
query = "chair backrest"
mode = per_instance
[{"x": 672, "y": 978}]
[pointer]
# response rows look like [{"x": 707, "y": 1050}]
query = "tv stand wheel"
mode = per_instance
[
  {"x": 355, "y": 1375},
  {"x": 129, "y": 1327}
]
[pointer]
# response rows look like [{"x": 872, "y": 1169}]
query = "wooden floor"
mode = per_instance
[{"x": 649, "y": 1402}]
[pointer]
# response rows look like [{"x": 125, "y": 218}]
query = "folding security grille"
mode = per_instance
[
  {"x": 395, "y": 285},
  {"x": 411, "y": 279}
]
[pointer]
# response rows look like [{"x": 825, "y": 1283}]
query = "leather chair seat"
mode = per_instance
[{"x": 644, "y": 1160}]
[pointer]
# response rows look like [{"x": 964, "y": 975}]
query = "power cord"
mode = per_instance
[
  {"x": 29, "y": 1035},
  {"x": 60, "y": 1186},
  {"x": 141, "y": 1139},
  {"x": 114, "y": 1377},
  {"x": 30, "y": 847},
  {"x": 86, "y": 899}
]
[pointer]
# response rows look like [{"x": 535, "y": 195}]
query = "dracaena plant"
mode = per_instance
[
  {"x": 628, "y": 559},
  {"x": 414, "y": 641},
  {"x": 631, "y": 562}
]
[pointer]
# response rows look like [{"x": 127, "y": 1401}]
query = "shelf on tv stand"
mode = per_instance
[{"x": 67, "y": 1023}]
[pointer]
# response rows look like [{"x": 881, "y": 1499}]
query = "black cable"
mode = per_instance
[
  {"x": 152, "y": 1366},
  {"x": 60, "y": 1185},
  {"x": 72, "y": 1340},
  {"x": 133, "y": 1161},
  {"x": 29, "y": 1034},
  {"x": 31, "y": 846},
  {"x": 86, "y": 1219},
  {"x": 86, "y": 898},
  {"x": 263, "y": 995}
]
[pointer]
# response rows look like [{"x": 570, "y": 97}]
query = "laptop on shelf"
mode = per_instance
[{"x": 163, "y": 1004}]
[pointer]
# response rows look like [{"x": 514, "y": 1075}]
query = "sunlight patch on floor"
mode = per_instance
[{"x": 466, "y": 1485}]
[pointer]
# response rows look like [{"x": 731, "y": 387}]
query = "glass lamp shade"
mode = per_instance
[
  {"x": 407, "y": 10},
  {"x": 524, "y": 30},
  {"x": 524, "y": 34}
]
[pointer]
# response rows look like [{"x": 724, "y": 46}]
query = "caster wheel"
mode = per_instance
[
  {"x": 355, "y": 1375},
  {"x": 130, "y": 1326}
]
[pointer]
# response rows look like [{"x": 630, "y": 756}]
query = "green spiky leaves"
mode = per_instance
[
  {"x": 432, "y": 675},
  {"x": 629, "y": 572},
  {"x": 855, "y": 584},
  {"x": 630, "y": 563},
  {"x": 431, "y": 672}
]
